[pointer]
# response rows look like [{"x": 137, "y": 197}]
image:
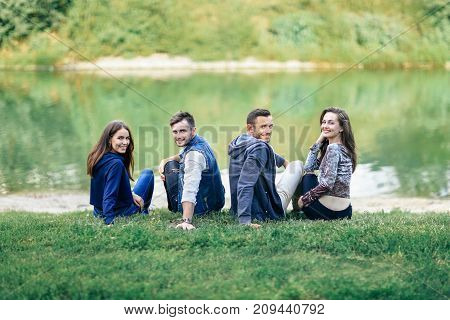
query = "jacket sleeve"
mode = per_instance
[
  {"x": 279, "y": 160},
  {"x": 253, "y": 165},
  {"x": 111, "y": 191},
  {"x": 327, "y": 176}
]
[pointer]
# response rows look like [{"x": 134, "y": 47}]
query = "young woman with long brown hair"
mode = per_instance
[
  {"x": 327, "y": 196},
  {"x": 110, "y": 165}
]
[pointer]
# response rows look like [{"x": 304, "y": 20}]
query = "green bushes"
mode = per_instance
[
  {"x": 19, "y": 18},
  {"x": 319, "y": 31}
]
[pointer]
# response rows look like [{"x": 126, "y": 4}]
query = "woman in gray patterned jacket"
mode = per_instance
[{"x": 327, "y": 196}]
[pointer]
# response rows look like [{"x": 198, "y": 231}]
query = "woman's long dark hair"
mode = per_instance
[
  {"x": 347, "y": 135},
  {"x": 104, "y": 145}
]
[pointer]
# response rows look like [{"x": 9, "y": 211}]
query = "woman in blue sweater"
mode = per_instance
[{"x": 110, "y": 165}]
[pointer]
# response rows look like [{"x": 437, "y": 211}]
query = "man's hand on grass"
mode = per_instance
[{"x": 185, "y": 226}]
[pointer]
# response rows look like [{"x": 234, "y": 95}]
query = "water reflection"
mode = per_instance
[{"x": 50, "y": 121}]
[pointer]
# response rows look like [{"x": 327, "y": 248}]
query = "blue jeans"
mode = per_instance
[
  {"x": 317, "y": 211},
  {"x": 171, "y": 184},
  {"x": 171, "y": 171},
  {"x": 144, "y": 188}
]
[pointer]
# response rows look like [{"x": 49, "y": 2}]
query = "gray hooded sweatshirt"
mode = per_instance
[{"x": 252, "y": 180}]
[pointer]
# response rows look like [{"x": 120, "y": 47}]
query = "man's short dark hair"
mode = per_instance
[
  {"x": 180, "y": 116},
  {"x": 257, "y": 113}
]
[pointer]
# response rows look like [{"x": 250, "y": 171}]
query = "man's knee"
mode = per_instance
[
  {"x": 295, "y": 167},
  {"x": 171, "y": 166}
]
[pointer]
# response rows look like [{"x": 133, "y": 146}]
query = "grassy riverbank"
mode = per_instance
[
  {"x": 318, "y": 31},
  {"x": 74, "y": 256}
]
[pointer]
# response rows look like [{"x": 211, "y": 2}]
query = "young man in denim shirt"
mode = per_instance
[{"x": 192, "y": 177}]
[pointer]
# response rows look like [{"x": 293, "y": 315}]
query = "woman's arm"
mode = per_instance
[
  {"x": 327, "y": 176},
  {"x": 111, "y": 191},
  {"x": 311, "y": 162}
]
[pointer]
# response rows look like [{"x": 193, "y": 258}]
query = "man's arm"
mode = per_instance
[
  {"x": 280, "y": 161},
  {"x": 111, "y": 191},
  {"x": 251, "y": 170},
  {"x": 188, "y": 212},
  {"x": 194, "y": 164}
]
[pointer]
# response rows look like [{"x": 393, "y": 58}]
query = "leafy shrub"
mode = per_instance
[
  {"x": 296, "y": 29},
  {"x": 19, "y": 18}
]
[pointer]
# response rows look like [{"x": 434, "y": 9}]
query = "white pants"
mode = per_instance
[{"x": 288, "y": 181}]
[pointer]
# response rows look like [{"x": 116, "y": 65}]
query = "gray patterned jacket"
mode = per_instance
[{"x": 335, "y": 172}]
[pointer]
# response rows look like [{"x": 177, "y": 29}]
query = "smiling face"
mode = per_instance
[
  {"x": 120, "y": 141},
  {"x": 262, "y": 128},
  {"x": 182, "y": 133},
  {"x": 330, "y": 127}
]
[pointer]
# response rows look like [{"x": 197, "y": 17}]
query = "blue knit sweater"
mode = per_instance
[{"x": 110, "y": 186}]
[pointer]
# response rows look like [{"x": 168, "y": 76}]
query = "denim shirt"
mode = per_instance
[{"x": 211, "y": 193}]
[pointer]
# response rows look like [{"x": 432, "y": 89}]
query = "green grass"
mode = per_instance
[{"x": 373, "y": 256}]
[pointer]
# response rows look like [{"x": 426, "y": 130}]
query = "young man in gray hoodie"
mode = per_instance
[{"x": 253, "y": 162}]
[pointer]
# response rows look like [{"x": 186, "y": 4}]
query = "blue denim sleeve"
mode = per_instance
[
  {"x": 250, "y": 173},
  {"x": 111, "y": 191}
]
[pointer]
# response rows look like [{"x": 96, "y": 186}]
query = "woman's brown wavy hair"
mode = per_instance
[
  {"x": 104, "y": 145},
  {"x": 347, "y": 135}
]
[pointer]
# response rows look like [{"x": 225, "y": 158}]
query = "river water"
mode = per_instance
[{"x": 49, "y": 122}]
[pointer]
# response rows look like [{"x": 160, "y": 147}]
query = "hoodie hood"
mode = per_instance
[
  {"x": 110, "y": 187},
  {"x": 252, "y": 184},
  {"x": 241, "y": 143},
  {"x": 107, "y": 158}
]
